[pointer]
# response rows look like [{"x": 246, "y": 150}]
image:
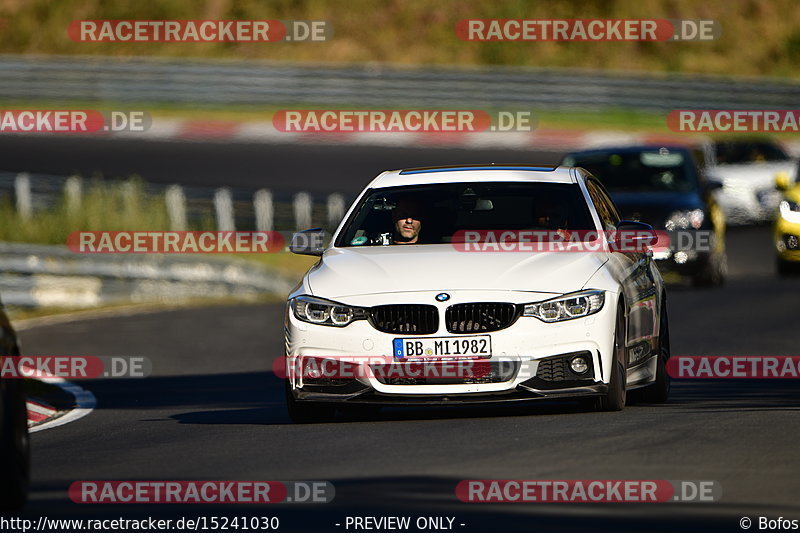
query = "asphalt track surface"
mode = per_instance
[{"x": 213, "y": 410}]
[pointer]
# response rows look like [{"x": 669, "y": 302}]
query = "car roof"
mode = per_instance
[{"x": 475, "y": 173}]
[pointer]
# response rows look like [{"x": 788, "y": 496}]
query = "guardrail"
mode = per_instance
[
  {"x": 136, "y": 80},
  {"x": 53, "y": 276},
  {"x": 188, "y": 207}
]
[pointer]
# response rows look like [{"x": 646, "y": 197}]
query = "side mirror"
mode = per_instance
[
  {"x": 713, "y": 184},
  {"x": 632, "y": 236},
  {"x": 308, "y": 242},
  {"x": 782, "y": 181}
]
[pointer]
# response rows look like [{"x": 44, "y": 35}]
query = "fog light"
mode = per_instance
[
  {"x": 579, "y": 365},
  {"x": 681, "y": 257},
  {"x": 312, "y": 371}
]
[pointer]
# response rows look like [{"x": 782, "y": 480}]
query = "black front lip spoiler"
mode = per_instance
[{"x": 520, "y": 394}]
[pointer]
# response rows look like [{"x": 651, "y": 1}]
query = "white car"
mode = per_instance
[
  {"x": 395, "y": 298},
  {"x": 747, "y": 170}
]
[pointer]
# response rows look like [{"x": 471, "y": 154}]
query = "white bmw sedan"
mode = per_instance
[{"x": 431, "y": 293}]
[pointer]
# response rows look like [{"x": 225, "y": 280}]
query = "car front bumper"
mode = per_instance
[
  {"x": 786, "y": 239},
  {"x": 530, "y": 359}
]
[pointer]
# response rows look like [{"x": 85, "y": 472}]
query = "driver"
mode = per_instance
[
  {"x": 551, "y": 214},
  {"x": 407, "y": 222}
]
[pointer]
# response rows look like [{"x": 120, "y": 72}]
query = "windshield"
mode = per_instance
[
  {"x": 651, "y": 171},
  {"x": 432, "y": 214},
  {"x": 748, "y": 152}
]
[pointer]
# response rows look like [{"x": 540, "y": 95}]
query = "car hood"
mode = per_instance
[
  {"x": 390, "y": 269},
  {"x": 654, "y": 207}
]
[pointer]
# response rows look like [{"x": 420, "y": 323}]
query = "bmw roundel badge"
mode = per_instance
[{"x": 442, "y": 297}]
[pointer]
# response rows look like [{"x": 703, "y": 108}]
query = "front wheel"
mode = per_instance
[{"x": 614, "y": 399}]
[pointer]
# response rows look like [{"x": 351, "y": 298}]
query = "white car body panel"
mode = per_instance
[
  {"x": 748, "y": 194},
  {"x": 400, "y": 267}
]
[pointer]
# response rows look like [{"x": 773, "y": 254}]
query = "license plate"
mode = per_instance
[{"x": 471, "y": 346}]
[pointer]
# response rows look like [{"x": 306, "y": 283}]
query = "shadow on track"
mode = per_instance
[{"x": 257, "y": 398}]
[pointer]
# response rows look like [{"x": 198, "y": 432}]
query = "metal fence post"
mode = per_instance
[
  {"x": 176, "y": 207},
  {"x": 223, "y": 207},
  {"x": 302, "y": 211},
  {"x": 264, "y": 210},
  {"x": 22, "y": 190},
  {"x": 128, "y": 190},
  {"x": 73, "y": 195},
  {"x": 335, "y": 209}
]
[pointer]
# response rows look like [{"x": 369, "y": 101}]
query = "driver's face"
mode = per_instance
[
  {"x": 549, "y": 215},
  {"x": 408, "y": 228}
]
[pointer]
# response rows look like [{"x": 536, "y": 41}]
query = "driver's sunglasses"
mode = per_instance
[{"x": 405, "y": 214}]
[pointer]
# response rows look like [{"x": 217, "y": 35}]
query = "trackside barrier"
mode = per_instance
[
  {"x": 188, "y": 207},
  {"x": 208, "y": 82},
  {"x": 53, "y": 276}
]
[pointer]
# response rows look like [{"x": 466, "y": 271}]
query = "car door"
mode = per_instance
[{"x": 637, "y": 276}]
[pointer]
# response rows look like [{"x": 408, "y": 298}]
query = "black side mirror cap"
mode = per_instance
[
  {"x": 308, "y": 242},
  {"x": 632, "y": 236}
]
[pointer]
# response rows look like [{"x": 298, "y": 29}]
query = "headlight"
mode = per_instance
[
  {"x": 325, "y": 312},
  {"x": 790, "y": 211},
  {"x": 567, "y": 307},
  {"x": 685, "y": 220}
]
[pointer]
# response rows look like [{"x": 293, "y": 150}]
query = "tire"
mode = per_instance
[
  {"x": 614, "y": 399},
  {"x": 14, "y": 449},
  {"x": 307, "y": 412},
  {"x": 658, "y": 392},
  {"x": 785, "y": 268}
]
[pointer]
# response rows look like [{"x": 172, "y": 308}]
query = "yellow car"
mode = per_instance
[{"x": 787, "y": 226}]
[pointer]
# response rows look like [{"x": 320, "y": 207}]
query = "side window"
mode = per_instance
[
  {"x": 605, "y": 209},
  {"x": 612, "y": 210}
]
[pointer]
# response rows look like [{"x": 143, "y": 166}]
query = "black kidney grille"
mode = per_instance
[
  {"x": 406, "y": 318},
  {"x": 480, "y": 317}
]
